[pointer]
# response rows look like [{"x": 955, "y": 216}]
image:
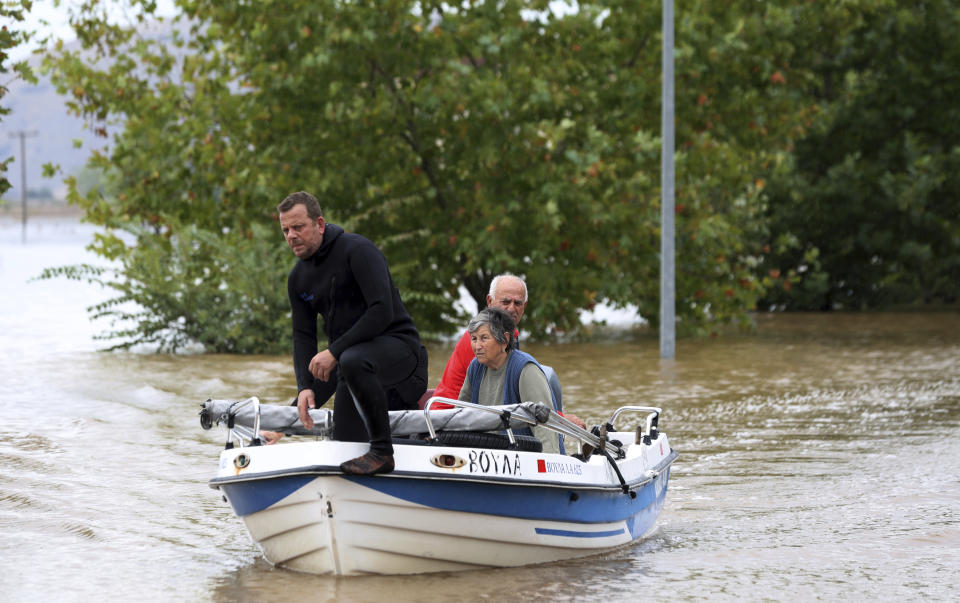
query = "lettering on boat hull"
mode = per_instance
[{"x": 491, "y": 462}]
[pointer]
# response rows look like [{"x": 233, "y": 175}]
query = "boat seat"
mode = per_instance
[
  {"x": 474, "y": 439},
  {"x": 410, "y": 441},
  {"x": 485, "y": 439}
]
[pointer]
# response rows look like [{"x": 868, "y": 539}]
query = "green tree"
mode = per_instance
[
  {"x": 742, "y": 98},
  {"x": 12, "y": 14},
  {"x": 464, "y": 139},
  {"x": 866, "y": 212}
]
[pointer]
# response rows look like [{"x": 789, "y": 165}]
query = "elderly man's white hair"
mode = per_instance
[{"x": 496, "y": 279}]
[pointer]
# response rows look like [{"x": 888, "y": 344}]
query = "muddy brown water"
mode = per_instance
[{"x": 820, "y": 459}]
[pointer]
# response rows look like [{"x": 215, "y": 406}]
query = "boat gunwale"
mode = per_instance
[{"x": 333, "y": 470}]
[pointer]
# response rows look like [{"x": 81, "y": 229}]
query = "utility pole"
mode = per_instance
[
  {"x": 667, "y": 187},
  {"x": 23, "y": 134}
]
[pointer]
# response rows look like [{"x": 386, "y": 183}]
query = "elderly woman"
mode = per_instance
[{"x": 502, "y": 375}]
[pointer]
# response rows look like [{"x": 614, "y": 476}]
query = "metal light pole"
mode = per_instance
[
  {"x": 667, "y": 187},
  {"x": 23, "y": 177}
]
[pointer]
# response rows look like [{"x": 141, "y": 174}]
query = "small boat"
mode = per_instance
[{"x": 466, "y": 493}]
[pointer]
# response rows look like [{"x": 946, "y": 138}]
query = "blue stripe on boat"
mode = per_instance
[
  {"x": 250, "y": 497},
  {"x": 525, "y": 502},
  {"x": 574, "y": 534}
]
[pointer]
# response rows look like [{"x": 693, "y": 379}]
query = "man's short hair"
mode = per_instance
[
  {"x": 496, "y": 281},
  {"x": 301, "y": 198},
  {"x": 500, "y": 323}
]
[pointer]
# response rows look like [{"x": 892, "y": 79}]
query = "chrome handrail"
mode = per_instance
[
  {"x": 652, "y": 417},
  {"x": 542, "y": 415},
  {"x": 555, "y": 422},
  {"x": 241, "y": 431},
  {"x": 461, "y": 404}
]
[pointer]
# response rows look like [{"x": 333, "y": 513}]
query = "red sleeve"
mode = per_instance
[{"x": 456, "y": 369}]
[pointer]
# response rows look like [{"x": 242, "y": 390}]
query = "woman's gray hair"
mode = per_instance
[{"x": 500, "y": 323}]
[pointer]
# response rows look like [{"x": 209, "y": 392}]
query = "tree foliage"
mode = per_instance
[
  {"x": 868, "y": 208},
  {"x": 12, "y": 15},
  {"x": 464, "y": 139}
]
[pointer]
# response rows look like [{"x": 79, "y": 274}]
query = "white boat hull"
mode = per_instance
[{"x": 497, "y": 508}]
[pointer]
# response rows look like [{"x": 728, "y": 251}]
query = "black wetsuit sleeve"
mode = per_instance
[{"x": 369, "y": 269}]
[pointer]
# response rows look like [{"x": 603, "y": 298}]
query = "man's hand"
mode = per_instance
[
  {"x": 321, "y": 365},
  {"x": 306, "y": 401},
  {"x": 270, "y": 437},
  {"x": 574, "y": 419}
]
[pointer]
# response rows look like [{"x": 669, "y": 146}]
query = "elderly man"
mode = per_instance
[
  {"x": 373, "y": 357},
  {"x": 508, "y": 293}
]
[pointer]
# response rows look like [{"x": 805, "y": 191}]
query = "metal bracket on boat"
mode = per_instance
[
  {"x": 239, "y": 431},
  {"x": 505, "y": 422},
  {"x": 545, "y": 417},
  {"x": 505, "y": 416},
  {"x": 606, "y": 444}
]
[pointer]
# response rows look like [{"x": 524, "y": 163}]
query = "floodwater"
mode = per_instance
[{"x": 819, "y": 459}]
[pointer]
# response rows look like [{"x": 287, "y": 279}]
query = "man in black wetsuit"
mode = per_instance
[{"x": 374, "y": 359}]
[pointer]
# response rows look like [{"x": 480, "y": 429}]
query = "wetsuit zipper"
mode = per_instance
[{"x": 333, "y": 288}]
